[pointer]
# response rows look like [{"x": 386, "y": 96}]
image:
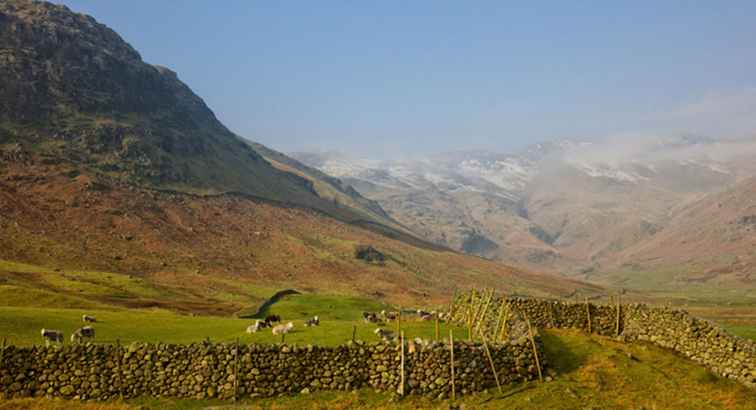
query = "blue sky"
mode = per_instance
[{"x": 409, "y": 77}]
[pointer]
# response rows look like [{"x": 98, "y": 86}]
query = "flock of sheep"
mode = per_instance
[
  {"x": 87, "y": 333},
  {"x": 80, "y": 335},
  {"x": 378, "y": 318}
]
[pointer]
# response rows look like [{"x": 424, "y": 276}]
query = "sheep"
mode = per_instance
[
  {"x": 370, "y": 317},
  {"x": 313, "y": 322},
  {"x": 52, "y": 336},
  {"x": 256, "y": 327},
  {"x": 88, "y": 319},
  {"x": 281, "y": 329},
  {"x": 86, "y": 332},
  {"x": 270, "y": 319},
  {"x": 390, "y": 315},
  {"x": 416, "y": 344},
  {"x": 384, "y": 334}
]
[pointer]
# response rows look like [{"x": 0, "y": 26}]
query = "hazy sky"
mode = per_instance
[{"x": 385, "y": 77}]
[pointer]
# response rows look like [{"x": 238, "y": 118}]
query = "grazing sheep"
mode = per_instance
[
  {"x": 52, "y": 336},
  {"x": 88, "y": 319},
  {"x": 281, "y": 329},
  {"x": 256, "y": 327},
  {"x": 270, "y": 319},
  {"x": 390, "y": 315},
  {"x": 86, "y": 332},
  {"x": 313, "y": 322},
  {"x": 370, "y": 317},
  {"x": 384, "y": 334}
]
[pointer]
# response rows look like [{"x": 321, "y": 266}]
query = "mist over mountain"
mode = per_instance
[{"x": 570, "y": 206}]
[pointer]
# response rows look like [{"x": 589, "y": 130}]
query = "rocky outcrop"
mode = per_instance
[{"x": 368, "y": 253}]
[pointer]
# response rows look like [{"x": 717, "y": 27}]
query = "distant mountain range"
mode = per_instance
[{"x": 584, "y": 208}]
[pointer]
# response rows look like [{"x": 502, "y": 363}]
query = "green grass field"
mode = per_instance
[
  {"x": 339, "y": 316},
  {"x": 588, "y": 371}
]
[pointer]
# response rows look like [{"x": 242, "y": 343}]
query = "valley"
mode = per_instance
[
  {"x": 665, "y": 214},
  {"x": 124, "y": 197}
]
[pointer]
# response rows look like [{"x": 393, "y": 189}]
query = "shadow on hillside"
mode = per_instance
[
  {"x": 263, "y": 310},
  {"x": 560, "y": 355}
]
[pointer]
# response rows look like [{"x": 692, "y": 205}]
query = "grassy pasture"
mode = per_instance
[{"x": 339, "y": 316}]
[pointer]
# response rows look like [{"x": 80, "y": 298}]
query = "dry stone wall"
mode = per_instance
[
  {"x": 208, "y": 370},
  {"x": 697, "y": 339}
]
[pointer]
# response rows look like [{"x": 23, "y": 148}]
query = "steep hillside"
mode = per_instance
[
  {"x": 211, "y": 252},
  {"x": 329, "y": 188},
  {"x": 72, "y": 91},
  {"x": 710, "y": 242}
]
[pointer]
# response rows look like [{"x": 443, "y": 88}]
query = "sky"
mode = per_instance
[{"x": 388, "y": 78}]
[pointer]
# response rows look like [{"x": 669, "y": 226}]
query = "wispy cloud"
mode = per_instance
[{"x": 717, "y": 113}]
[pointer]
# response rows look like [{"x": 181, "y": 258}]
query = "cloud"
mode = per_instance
[{"x": 721, "y": 113}]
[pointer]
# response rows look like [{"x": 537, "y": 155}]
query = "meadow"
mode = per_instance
[{"x": 588, "y": 371}]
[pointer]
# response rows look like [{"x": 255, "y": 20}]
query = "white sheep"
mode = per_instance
[
  {"x": 281, "y": 329},
  {"x": 384, "y": 334},
  {"x": 255, "y": 327},
  {"x": 88, "y": 319}
]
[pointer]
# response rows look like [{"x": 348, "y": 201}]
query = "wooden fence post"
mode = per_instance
[
  {"x": 236, "y": 371},
  {"x": 452, "y": 303},
  {"x": 479, "y": 307},
  {"x": 451, "y": 349},
  {"x": 354, "y": 332},
  {"x": 2, "y": 351},
  {"x": 437, "y": 328},
  {"x": 498, "y": 321},
  {"x": 470, "y": 306},
  {"x": 491, "y": 362},
  {"x": 535, "y": 349},
  {"x": 399, "y": 321},
  {"x": 588, "y": 311},
  {"x": 467, "y": 319},
  {"x": 401, "y": 386},
  {"x": 482, "y": 316},
  {"x": 504, "y": 326},
  {"x": 618, "y": 314}
]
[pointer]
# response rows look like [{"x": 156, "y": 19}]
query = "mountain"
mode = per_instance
[
  {"x": 710, "y": 242},
  {"x": 119, "y": 186},
  {"x": 568, "y": 206},
  {"x": 71, "y": 90}
]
